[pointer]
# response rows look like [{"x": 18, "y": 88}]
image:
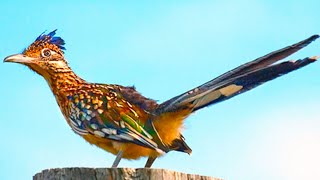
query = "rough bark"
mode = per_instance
[{"x": 115, "y": 174}]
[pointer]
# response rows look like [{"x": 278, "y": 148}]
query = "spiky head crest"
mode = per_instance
[{"x": 49, "y": 41}]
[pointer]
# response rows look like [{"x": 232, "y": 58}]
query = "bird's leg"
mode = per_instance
[
  {"x": 150, "y": 161},
  {"x": 117, "y": 160}
]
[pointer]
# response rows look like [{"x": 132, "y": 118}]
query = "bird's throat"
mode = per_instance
[{"x": 63, "y": 82}]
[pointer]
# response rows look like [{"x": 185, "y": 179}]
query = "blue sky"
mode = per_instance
[{"x": 165, "y": 48}]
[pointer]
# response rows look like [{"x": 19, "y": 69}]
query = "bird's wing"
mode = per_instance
[
  {"x": 148, "y": 106},
  {"x": 239, "y": 80},
  {"x": 106, "y": 114}
]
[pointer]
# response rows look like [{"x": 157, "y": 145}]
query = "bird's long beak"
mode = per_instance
[{"x": 19, "y": 58}]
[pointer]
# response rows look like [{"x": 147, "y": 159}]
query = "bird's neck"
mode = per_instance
[
  {"x": 61, "y": 83},
  {"x": 60, "y": 79}
]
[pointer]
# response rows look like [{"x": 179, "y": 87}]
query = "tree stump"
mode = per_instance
[{"x": 115, "y": 173}]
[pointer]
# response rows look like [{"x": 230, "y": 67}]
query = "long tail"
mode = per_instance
[{"x": 240, "y": 79}]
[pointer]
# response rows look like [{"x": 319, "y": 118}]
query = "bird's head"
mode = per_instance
[{"x": 44, "y": 55}]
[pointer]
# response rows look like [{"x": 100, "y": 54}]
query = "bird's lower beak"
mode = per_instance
[{"x": 18, "y": 58}]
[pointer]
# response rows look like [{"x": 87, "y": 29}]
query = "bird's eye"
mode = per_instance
[{"x": 46, "y": 53}]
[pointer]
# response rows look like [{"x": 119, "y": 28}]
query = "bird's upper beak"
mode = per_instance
[{"x": 19, "y": 58}]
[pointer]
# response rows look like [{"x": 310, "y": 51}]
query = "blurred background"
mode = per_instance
[{"x": 165, "y": 48}]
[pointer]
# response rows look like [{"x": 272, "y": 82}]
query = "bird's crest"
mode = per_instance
[
  {"x": 47, "y": 41},
  {"x": 50, "y": 38}
]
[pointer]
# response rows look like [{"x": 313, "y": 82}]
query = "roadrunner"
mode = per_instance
[{"x": 120, "y": 120}]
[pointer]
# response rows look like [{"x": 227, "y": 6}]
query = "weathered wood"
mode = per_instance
[{"x": 116, "y": 173}]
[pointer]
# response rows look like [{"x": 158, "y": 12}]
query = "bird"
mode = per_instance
[{"x": 122, "y": 121}]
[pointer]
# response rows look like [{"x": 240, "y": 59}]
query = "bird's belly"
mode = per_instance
[
  {"x": 102, "y": 143},
  {"x": 133, "y": 151},
  {"x": 130, "y": 150}
]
